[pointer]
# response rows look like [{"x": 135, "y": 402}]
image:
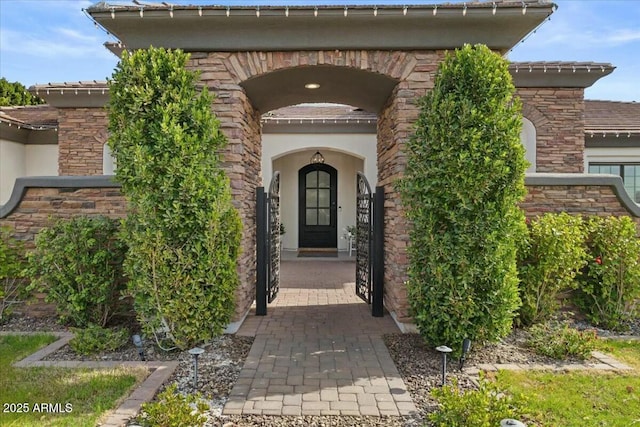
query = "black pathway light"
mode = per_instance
[
  {"x": 444, "y": 350},
  {"x": 137, "y": 341},
  {"x": 195, "y": 352}
]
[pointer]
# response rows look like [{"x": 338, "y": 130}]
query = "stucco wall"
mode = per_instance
[
  {"x": 41, "y": 160},
  {"x": 12, "y": 166},
  {"x": 289, "y": 165},
  {"x": 18, "y": 160}
]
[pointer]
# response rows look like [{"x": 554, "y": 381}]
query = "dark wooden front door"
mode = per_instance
[{"x": 318, "y": 197}]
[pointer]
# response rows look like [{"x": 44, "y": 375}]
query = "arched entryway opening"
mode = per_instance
[
  {"x": 383, "y": 83},
  {"x": 320, "y": 231}
]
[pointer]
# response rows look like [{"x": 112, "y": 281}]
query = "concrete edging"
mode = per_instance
[
  {"x": 604, "y": 362},
  {"x": 160, "y": 371}
]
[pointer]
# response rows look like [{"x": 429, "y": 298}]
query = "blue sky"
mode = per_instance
[{"x": 45, "y": 41}]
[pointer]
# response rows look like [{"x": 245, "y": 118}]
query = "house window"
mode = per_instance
[
  {"x": 108, "y": 161},
  {"x": 528, "y": 139},
  {"x": 630, "y": 173}
]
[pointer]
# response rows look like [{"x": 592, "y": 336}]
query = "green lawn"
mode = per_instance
[
  {"x": 71, "y": 397},
  {"x": 582, "y": 399}
]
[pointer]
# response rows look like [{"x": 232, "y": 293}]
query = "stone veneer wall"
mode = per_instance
[
  {"x": 573, "y": 199},
  {"x": 39, "y": 207},
  {"x": 578, "y": 194},
  {"x": 558, "y": 116},
  {"x": 82, "y": 133}
]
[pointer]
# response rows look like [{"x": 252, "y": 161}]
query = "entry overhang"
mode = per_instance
[{"x": 499, "y": 25}]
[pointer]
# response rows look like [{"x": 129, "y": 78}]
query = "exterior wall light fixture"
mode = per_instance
[
  {"x": 312, "y": 86},
  {"x": 317, "y": 158}
]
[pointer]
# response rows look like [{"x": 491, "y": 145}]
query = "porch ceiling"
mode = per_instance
[
  {"x": 339, "y": 85},
  {"x": 278, "y": 28}
]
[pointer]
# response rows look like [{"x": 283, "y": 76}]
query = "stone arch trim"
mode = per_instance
[
  {"x": 245, "y": 65},
  {"x": 534, "y": 115}
]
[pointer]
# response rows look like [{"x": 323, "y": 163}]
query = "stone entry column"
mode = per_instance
[
  {"x": 240, "y": 123},
  {"x": 395, "y": 126}
]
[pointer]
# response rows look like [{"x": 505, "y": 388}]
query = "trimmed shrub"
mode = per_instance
[
  {"x": 610, "y": 282},
  {"x": 182, "y": 229},
  {"x": 464, "y": 179},
  {"x": 173, "y": 409},
  {"x": 549, "y": 260},
  {"x": 95, "y": 339},
  {"x": 560, "y": 341},
  {"x": 78, "y": 264},
  {"x": 484, "y": 407},
  {"x": 12, "y": 273}
]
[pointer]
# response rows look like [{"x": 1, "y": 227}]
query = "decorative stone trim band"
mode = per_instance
[
  {"x": 107, "y": 181},
  {"x": 160, "y": 371},
  {"x": 22, "y": 184},
  {"x": 583, "y": 179}
]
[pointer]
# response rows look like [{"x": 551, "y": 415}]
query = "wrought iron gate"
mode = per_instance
[
  {"x": 267, "y": 244},
  {"x": 369, "y": 244}
]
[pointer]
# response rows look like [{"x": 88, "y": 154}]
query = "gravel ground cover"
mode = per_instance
[{"x": 220, "y": 365}]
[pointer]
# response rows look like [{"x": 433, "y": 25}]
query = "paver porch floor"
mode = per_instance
[{"x": 318, "y": 351}]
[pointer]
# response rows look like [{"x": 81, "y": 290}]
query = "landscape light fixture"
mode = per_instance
[
  {"x": 511, "y": 423},
  {"x": 466, "y": 346},
  {"x": 444, "y": 350},
  {"x": 137, "y": 341},
  {"x": 195, "y": 352}
]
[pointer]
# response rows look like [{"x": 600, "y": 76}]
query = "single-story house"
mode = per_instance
[{"x": 330, "y": 86}]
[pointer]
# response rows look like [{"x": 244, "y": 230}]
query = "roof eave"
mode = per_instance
[
  {"x": 428, "y": 27},
  {"x": 565, "y": 74}
]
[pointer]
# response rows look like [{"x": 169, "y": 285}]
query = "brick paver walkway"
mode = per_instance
[{"x": 319, "y": 351}]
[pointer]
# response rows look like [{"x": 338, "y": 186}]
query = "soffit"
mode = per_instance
[{"x": 340, "y": 85}]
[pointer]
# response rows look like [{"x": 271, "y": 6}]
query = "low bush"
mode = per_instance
[
  {"x": 78, "y": 264},
  {"x": 548, "y": 262},
  {"x": 559, "y": 341},
  {"x": 12, "y": 275},
  {"x": 484, "y": 407},
  {"x": 609, "y": 285},
  {"x": 173, "y": 409},
  {"x": 95, "y": 339}
]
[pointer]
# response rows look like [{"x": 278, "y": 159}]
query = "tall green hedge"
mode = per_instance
[
  {"x": 464, "y": 178},
  {"x": 183, "y": 232}
]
